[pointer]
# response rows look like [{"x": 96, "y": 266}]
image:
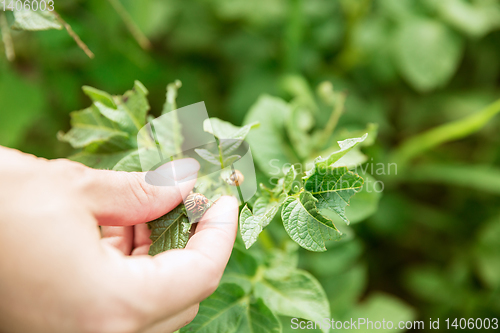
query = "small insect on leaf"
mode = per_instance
[{"x": 197, "y": 203}]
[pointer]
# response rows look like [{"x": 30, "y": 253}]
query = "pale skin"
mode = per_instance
[{"x": 60, "y": 273}]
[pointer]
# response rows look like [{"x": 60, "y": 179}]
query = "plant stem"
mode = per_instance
[
  {"x": 139, "y": 36},
  {"x": 293, "y": 36},
  {"x": 73, "y": 34},
  {"x": 334, "y": 117},
  {"x": 454, "y": 130},
  {"x": 221, "y": 158},
  {"x": 7, "y": 38}
]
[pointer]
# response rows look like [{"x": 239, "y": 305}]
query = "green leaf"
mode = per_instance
[
  {"x": 168, "y": 128},
  {"x": 362, "y": 205},
  {"x": 97, "y": 95},
  {"x": 333, "y": 188},
  {"x": 130, "y": 163},
  {"x": 289, "y": 179},
  {"x": 299, "y": 295},
  {"x": 487, "y": 251},
  {"x": 100, "y": 161},
  {"x": 305, "y": 224},
  {"x": 427, "y": 53},
  {"x": 345, "y": 147},
  {"x": 135, "y": 104},
  {"x": 222, "y": 312},
  {"x": 378, "y": 307},
  {"x": 259, "y": 318},
  {"x": 229, "y": 135},
  {"x": 341, "y": 257},
  {"x": 171, "y": 98},
  {"x": 35, "y": 20},
  {"x": 83, "y": 135},
  {"x": 144, "y": 159},
  {"x": 171, "y": 231},
  {"x": 208, "y": 156},
  {"x": 298, "y": 87},
  {"x": 101, "y": 128},
  {"x": 281, "y": 264},
  {"x": 252, "y": 225},
  {"x": 118, "y": 116},
  {"x": 298, "y": 126},
  {"x": 371, "y": 130},
  {"x": 430, "y": 283},
  {"x": 231, "y": 159},
  {"x": 229, "y": 310},
  {"x": 473, "y": 18},
  {"x": 270, "y": 146},
  {"x": 241, "y": 268}
]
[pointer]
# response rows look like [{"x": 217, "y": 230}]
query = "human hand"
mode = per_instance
[{"x": 57, "y": 274}]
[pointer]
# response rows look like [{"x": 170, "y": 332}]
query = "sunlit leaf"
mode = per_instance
[
  {"x": 305, "y": 224},
  {"x": 269, "y": 147},
  {"x": 35, "y": 20},
  {"x": 97, "y": 95},
  {"x": 299, "y": 295},
  {"x": 427, "y": 53},
  {"x": 345, "y": 147}
]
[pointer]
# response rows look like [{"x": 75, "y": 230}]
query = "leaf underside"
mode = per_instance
[{"x": 171, "y": 231}]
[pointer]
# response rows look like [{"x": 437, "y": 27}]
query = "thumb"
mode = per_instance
[
  {"x": 175, "y": 280},
  {"x": 125, "y": 198}
]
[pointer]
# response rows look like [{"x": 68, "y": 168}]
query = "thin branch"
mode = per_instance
[
  {"x": 334, "y": 117},
  {"x": 7, "y": 38},
  {"x": 73, "y": 34},
  {"x": 130, "y": 24}
]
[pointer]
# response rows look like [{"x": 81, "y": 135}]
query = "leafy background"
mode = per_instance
[{"x": 424, "y": 71}]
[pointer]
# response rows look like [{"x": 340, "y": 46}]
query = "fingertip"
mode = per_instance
[{"x": 223, "y": 211}]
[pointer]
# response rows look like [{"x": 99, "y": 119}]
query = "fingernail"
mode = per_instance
[
  {"x": 185, "y": 169},
  {"x": 172, "y": 172}
]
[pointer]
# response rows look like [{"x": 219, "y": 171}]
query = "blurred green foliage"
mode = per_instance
[{"x": 406, "y": 65}]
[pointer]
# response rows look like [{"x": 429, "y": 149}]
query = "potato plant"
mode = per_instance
[{"x": 255, "y": 291}]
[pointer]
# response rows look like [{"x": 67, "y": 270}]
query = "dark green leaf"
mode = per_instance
[
  {"x": 333, "y": 188},
  {"x": 229, "y": 310},
  {"x": 171, "y": 231}
]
